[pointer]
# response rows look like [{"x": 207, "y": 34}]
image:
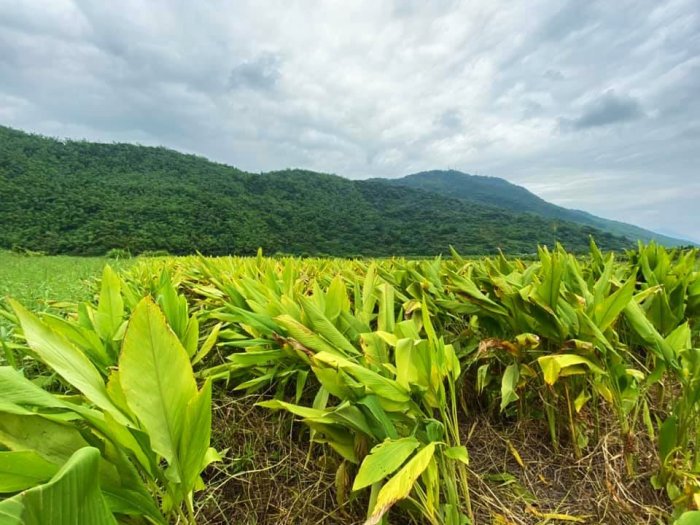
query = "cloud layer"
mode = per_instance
[{"x": 593, "y": 105}]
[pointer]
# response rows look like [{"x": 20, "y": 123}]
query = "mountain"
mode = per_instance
[
  {"x": 498, "y": 192},
  {"x": 78, "y": 197}
]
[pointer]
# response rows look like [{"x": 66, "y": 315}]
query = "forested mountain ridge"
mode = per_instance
[
  {"x": 499, "y": 192},
  {"x": 86, "y": 198}
]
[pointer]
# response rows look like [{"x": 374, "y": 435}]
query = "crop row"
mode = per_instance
[{"x": 382, "y": 360}]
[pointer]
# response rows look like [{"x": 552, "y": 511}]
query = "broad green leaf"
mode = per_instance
[
  {"x": 380, "y": 385},
  {"x": 321, "y": 324},
  {"x": 375, "y": 349},
  {"x": 191, "y": 337},
  {"x": 116, "y": 394},
  {"x": 335, "y": 436},
  {"x": 336, "y": 299},
  {"x": 385, "y": 319},
  {"x": 668, "y": 437},
  {"x": 17, "y": 390},
  {"x": 661, "y": 314},
  {"x": 602, "y": 285},
  {"x": 132, "y": 503},
  {"x": 208, "y": 344},
  {"x": 383, "y": 422},
  {"x": 351, "y": 416},
  {"x": 648, "y": 333},
  {"x": 334, "y": 381},
  {"x": 368, "y": 298},
  {"x": 680, "y": 339},
  {"x": 509, "y": 384},
  {"x": 174, "y": 307},
  {"x": 72, "y": 497},
  {"x": 255, "y": 358},
  {"x": 196, "y": 435},
  {"x": 384, "y": 459},
  {"x": 465, "y": 286},
  {"x": 607, "y": 312},
  {"x": 110, "y": 308},
  {"x": 84, "y": 338},
  {"x": 305, "y": 336},
  {"x": 589, "y": 328},
  {"x": 297, "y": 410},
  {"x": 458, "y": 454},
  {"x": 53, "y": 441},
  {"x": 22, "y": 469},
  {"x": 129, "y": 441},
  {"x": 551, "y": 274},
  {"x": 157, "y": 379},
  {"x": 692, "y": 517},
  {"x": 427, "y": 322},
  {"x": 408, "y": 368},
  {"x": 482, "y": 377},
  {"x": 263, "y": 323},
  {"x": 401, "y": 484},
  {"x": 66, "y": 360},
  {"x": 581, "y": 400}
]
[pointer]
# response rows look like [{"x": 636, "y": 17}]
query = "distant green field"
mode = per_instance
[{"x": 35, "y": 281}]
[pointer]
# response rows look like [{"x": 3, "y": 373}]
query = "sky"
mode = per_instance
[{"x": 591, "y": 105}]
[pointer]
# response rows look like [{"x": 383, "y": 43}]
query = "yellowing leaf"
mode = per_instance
[
  {"x": 401, "y": 484},
  {"x": 555, "y": 516},
  {"x": 384, "y": 459},
  {"x": 552, "y": 365},
  {"x": 509, "y": 383},
  {"x": 514, "y": 452},
  {"x": 581, "y": 400}
]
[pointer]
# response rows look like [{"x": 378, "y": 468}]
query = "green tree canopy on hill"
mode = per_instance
[{"x": 77, "y": 197}]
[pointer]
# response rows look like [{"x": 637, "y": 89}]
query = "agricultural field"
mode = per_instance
[
  {"x": 264, "y": 390},
  {"x": 37, "y": 281}
]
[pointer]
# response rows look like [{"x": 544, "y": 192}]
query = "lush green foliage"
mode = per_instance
[
  {"x": 501, "y": 193},
  {"x": 37, "y": 281},
  {"x": 382, "y": 360},
  {"x": 132, "y": 395},
  {"x": 84, "y": 198}
]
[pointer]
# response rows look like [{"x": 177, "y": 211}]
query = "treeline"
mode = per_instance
[{"x": 84, "y": 198}]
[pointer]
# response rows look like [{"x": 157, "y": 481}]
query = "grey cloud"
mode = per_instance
[
  {"x": 262, "y": 73},
  {"x": 567, "y": 19},
  {"x": 404, "y": 8},
  {"x": 609, "y": 108},
  {"x": 553, "y": 74},
  {"x": 450, "y": 120}
]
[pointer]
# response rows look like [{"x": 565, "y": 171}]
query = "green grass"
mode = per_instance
[{"x": 36, "y": 281}]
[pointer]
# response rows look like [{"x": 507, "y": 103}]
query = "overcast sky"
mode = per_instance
[{"x": 592, "y": 105}]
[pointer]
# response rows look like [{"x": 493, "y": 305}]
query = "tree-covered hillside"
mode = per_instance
[
  {"x": 494, "y": 191},
  {"x": 85, "y": 198}
]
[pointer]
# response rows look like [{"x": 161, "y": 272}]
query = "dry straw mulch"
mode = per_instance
[{"x": 272, "y": 476}]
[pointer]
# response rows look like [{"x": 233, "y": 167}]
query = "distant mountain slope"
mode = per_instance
[
  {"x": 499, "y": 192},
  {"x": 85, "y": 198}
]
